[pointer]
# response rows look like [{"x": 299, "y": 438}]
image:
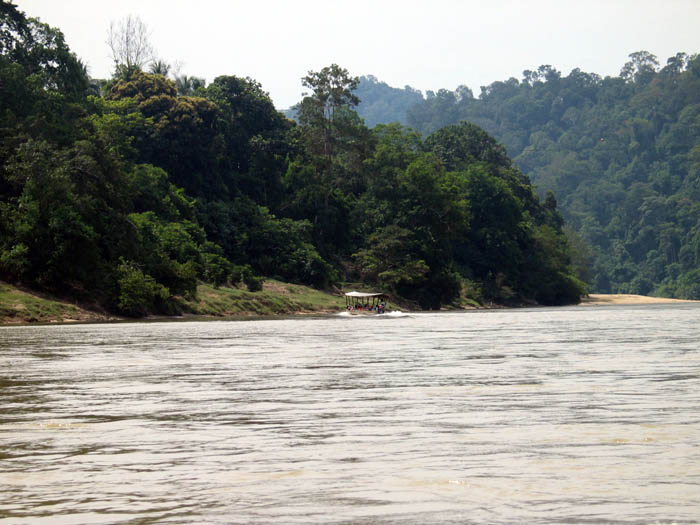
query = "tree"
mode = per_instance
[
  {"x": 676, "y": 64},
  {"x": 159, "y": 67},
  {"x": 335, "y": 135},
  {"x": 640, "y": 68},
  {"x": 187, "y": 86},
  {"x": 139, "y": 293},
  {"x": 462, "y": 144},
  {"x": 181, "y": 131},
  {"x": 390, "y": 260},
  {"x": 331, "y": 89},
  {"x": 129, "y": 41},
  {"x": 334, "y": 145},
  {"x": 41, "y": 53},
  {"x": 253, "y": 138}
]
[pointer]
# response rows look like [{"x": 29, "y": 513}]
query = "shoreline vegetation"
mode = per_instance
[{"x": 23, "y": 306}]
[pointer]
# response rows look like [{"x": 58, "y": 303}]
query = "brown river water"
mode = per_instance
[{"x": 569, "y": 415}]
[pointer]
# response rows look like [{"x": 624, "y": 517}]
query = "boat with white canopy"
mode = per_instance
[{"x": 365, "y": 302}]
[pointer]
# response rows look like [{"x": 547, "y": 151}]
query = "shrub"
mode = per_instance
[
  {"x": 253, "y": 282},
  {"x": 217, "y": 269},
  {"x": 245, "y": 274},
  {"x": 139, "y": 294}
]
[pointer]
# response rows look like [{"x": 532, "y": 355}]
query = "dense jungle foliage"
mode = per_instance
[
  {"x": 130, "y": 191},
  {"x": 621, "y": 154}
]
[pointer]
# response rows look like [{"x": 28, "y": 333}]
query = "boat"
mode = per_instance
[{"x": 365, "y": 303}]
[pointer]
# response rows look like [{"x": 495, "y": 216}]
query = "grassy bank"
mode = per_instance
[
  {"x": 276, "y": 298},
  {"x": 25, "y": 306},
  {"x": 19, "y": 306}
]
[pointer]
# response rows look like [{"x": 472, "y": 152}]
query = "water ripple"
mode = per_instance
[{"x": 571, "y": 415}]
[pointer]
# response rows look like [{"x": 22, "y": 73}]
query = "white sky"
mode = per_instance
[{"x": 428, "y": 44}]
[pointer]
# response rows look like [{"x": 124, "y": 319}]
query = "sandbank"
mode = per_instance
[{"x": 620, "y": 298}]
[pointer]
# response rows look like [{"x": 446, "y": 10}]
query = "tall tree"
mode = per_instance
[
  {"x": 331, "y": 91},
  {"x": 129, "y": 41},
  {"x": 335, "y": 144},
  {"x": 640, "y": 68}
]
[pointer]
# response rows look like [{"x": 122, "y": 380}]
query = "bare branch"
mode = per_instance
[{"x": 129, "y": 40}]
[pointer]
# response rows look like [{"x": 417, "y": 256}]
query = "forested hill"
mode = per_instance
[
  {"x": 621, "y": 154},
  {"x": 130, "y": 191},
  {"x": 379, "y": 102},
  {"x": 383, "y": 104}
]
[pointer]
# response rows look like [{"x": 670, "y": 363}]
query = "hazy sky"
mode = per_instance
[{"x": 428, "y": 44}]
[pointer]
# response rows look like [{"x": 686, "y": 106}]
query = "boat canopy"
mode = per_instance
[
  {"x": 363, "y": 294},
  {"x": 364, "y": 299}
]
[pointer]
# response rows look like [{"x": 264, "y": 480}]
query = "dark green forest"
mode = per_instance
[
  {"x": 126, "y": 193},
  {"x": 621, "y": 155}
]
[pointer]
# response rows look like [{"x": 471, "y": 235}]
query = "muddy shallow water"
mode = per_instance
[{"x": 569, "y": 415}]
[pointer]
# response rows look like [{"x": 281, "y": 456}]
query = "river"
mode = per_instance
[{"x": 566, "y": 415}]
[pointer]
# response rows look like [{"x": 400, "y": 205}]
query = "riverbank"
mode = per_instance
[
  {"x": 276, "y": 298},
  {"x": 629, "y": 299},
  {"x": 21, "y": 306}
]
